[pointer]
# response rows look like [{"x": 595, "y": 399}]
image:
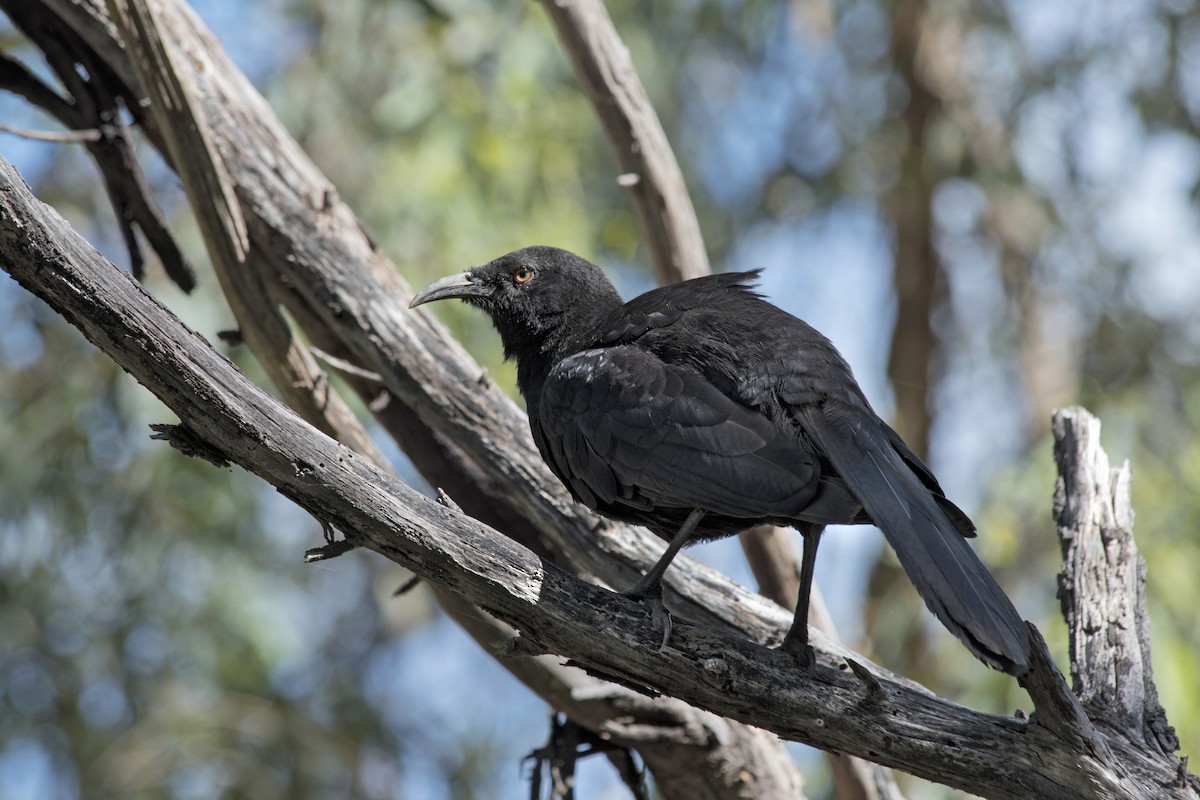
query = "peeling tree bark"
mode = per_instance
[{"x": 1102, "y": 588}]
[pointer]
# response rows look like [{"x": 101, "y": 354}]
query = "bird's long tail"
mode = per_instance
[{"x": 926, "y": 530}]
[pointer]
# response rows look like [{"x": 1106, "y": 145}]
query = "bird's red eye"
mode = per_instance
[{"x": 522, "y": 275}]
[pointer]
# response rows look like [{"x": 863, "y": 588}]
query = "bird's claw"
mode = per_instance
[
  {"x": 658, "y": 612},
  {"x": 661, "y": 619},
  {"x": 799, "y": 649}
]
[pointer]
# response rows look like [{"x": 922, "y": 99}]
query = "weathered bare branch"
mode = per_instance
[
  {"x": 191, "y": 149},
  {"x": 1103, "y": 588},
  {"x": 651, "y": 172},
  {"x": 93, "y": 113}
]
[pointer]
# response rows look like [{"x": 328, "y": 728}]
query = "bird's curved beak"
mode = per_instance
[{"x": 462, "y": 285}]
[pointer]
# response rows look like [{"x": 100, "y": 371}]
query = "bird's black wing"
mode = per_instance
[{"x": 621, "y": 427}]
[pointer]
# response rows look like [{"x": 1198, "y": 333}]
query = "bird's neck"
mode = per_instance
[{"x": 558, "y": 336}]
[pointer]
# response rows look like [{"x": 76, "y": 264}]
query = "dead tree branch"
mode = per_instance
[
  {"x": 995, "y": 757},
  {"x": 1102, "y": 589},
  {"x": 651, "y": 173},
  {"x": 92, "y": 112}
]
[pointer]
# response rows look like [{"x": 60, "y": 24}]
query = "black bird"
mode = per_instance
[{"x": 700, "y": 410}]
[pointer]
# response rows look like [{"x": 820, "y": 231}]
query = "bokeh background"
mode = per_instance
[{"x": 991, "y": 207}]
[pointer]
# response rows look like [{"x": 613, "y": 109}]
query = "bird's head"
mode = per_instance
[{"x": 536, "y": 296}]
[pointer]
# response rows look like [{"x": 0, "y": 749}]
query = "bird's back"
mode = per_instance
[{"x": 753, "y": 351}]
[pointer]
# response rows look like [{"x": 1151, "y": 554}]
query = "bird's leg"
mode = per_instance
[
  {"x": 651, "y": 583},
  {"x": 649, "y": 588},
  {"x": 796, "y": 641}
]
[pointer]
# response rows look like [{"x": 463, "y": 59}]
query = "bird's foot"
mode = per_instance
[
  {"x": 661, "y": 619},
  {"x": 658, "y": 611},
  {"x": 799, "y": 649}
]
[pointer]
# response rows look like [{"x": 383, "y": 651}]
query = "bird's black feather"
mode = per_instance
[{"x": 705, "y": 396}]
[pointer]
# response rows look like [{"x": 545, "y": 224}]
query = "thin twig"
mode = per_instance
[
  {"x": 342, "y": 365},
  {"x": 16, "y": 78},
  {"x": 96, "y": 93},
  {"x": 62, "y": 137}
]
